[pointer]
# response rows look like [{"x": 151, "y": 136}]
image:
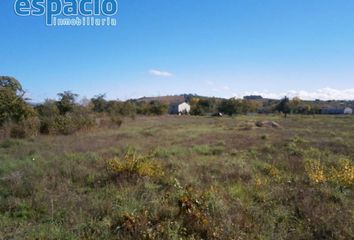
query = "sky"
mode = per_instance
[{"x": 224, "y": 48}]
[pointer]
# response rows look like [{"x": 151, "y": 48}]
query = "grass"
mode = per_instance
[{"x": 183, "y": 178}]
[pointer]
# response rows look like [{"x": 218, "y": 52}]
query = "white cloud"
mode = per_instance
[
  {"x": 159, "y": 73},
  {"x": 323, "y": 94}
]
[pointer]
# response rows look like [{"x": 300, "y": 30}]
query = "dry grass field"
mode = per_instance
[{"x": 186, "y": 177}]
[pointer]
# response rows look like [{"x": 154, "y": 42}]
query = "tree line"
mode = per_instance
[{"x": 66, "y": 115}]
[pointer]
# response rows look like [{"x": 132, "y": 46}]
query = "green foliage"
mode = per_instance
[
  {"x": 66, "y": 124},
  {"x": 26, "y": 128},
  {"x": 237, "y": 191},
  {"x": 284, "y": 106},
  {"x": 158, "y": 108},
  {"x": 208, "y": 150},
  {"x": 99, "y": 103},
  {"x": 8, "y": 143},
  {"x": 155, "y": 108},
  {"x": 237, "y": 106},
  {"x": 128, "y": 108},
  {"x": 64, "y": 117},
  {"x": 13, "y": 106},
  {"x": 10, "y": 83},
  {"x": 66, "y": 102},
  {"x": 231, "y": 106},
  {"x": 202, "y": 106},
  {"x": 48, "y": 109}
]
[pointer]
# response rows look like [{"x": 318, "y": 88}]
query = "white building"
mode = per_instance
[
  {"x": 180, "y": 108},
  {"x": 348, "y": 110}
]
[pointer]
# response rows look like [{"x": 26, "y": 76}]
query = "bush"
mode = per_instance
[
  {"x": 343, "y": 175},
  {"x": 113, "y": 121},
  {"x": 116, "y": 121},
  {"x": 55, "y": 125},
  {"x": 66, "y": 124},
  {"x": 8, "y": 143},
  {"x": 25, "y": 128},
  {"x": 81, "y": 119},
  {"x": 64, "y": 116},
  {"x": 315, "y": 171},
  {"x": 134, "y": 164}
]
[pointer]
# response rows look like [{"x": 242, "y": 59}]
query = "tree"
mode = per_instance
[
  {"x": 13, "y": 106},
  {"x": 157, "y": 108},
  {"x": 67, "y": 102},
  {"x": 250, "y": 106},
  {"x": 99, "y": 103},
  {"x": 284, "y": 106},
  {"x": 48, "y": 109},
  {"x": 231, "y": 106},
  {"x": 203, "y": 106},
  {"x": 295, "y": 104}
]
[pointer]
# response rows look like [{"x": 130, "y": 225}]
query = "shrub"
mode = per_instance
[
  {"x": 237, "y": 191},
  {"x": 199, "y": 212},
  {"x": 8, "y": 143},
  {"x": 134, "y": 164},
  {"x": 66, "y": 124},
  {"x": 25, "y": 128},
  {"x": 315, "y": 171},
  {"x": 264, "y": 137},
  {"x": 272, "y": 171},
  {"x": 343, "y": 175},
  {"x": 116, "y": 121},
  {"x": 81, "y": 119},
  {"x": 56, "y": 125}
]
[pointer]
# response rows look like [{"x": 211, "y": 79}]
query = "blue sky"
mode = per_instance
[{"x": 217, "y": 48}]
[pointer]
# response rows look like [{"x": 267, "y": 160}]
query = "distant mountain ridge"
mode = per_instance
[
  {"x": 265, "y": 102},
  {"x": 173, "y": 98}
]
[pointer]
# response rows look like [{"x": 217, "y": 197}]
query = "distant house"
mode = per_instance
[
  {"x": 337, "y": 111},
  {"x": 179, "y": 108},
  {"x": 348, "y": 110},
  {"x": 253, "y": 97}
]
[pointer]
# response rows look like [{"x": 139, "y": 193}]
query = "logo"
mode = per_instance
[{"x": 70, "y": 12}]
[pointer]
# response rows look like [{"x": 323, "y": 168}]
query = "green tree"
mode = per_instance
[
  {"x": 284, "y": 106},
  {"x": 250, "y": 106},
  {"x": 48, "y": 109},
  {"x": 116, "y": 107},
  {"x": 157, "y": 108},
  {"x": 295, "y": 105},
  {"x": 13, "y": 105},
  {"x": 67, "y": 102},
  {"x": 11, "y": 84},
  {"x": 231, "y": 106},
  {"x": 203, "y": 106},
  {"x": 99, "y": 103}
]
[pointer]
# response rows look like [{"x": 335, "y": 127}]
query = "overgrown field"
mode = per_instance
[{"x": 183, "y": 178}]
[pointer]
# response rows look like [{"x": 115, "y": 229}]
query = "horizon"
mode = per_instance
[
  {"x": 81, "y": 98},
  {"x": 216, "y": 49}
]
